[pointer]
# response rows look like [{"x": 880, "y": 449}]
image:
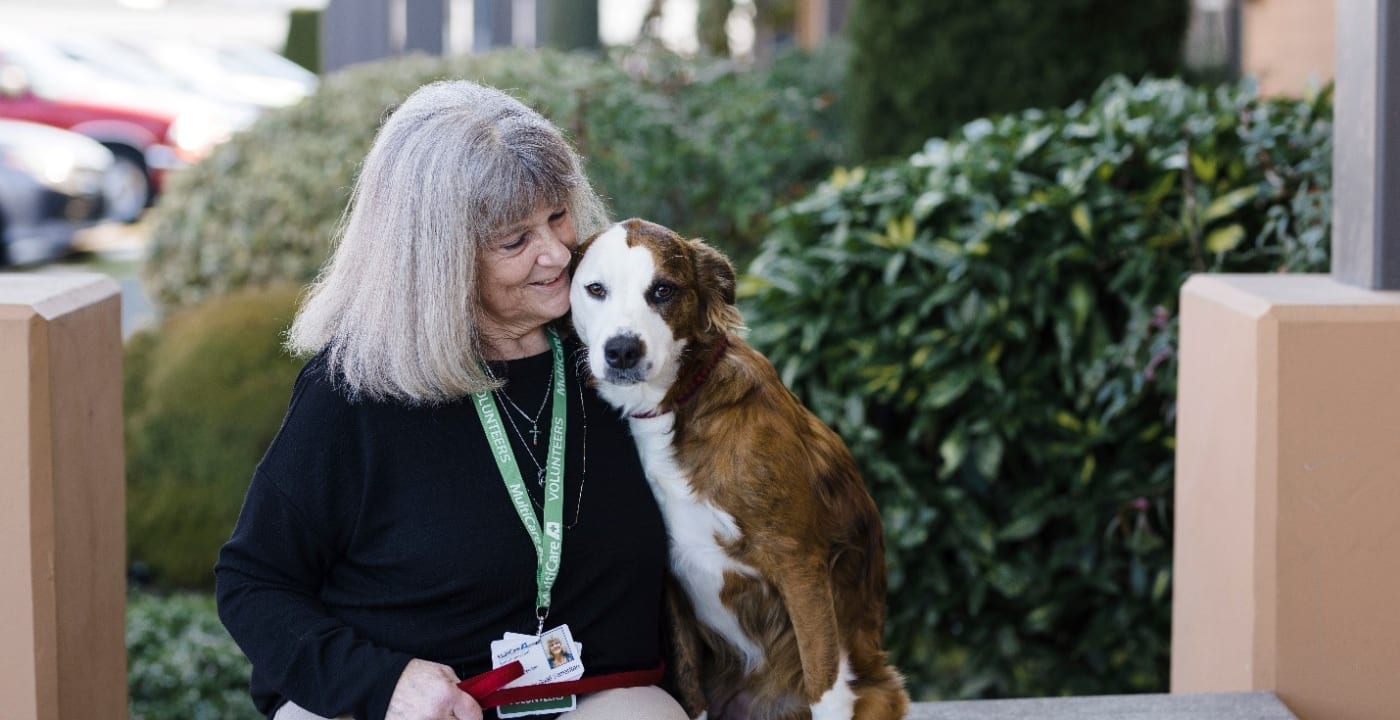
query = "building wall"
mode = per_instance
[{"x": 1288, "y": 45}]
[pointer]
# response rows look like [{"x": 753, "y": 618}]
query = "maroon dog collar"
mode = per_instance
[{"x": 695, "y": 384}]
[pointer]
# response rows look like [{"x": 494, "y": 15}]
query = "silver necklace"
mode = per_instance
[
  {"x": 535, "y": 421},
  {"x": 539, "y": 469},
  {"x": 583, "y": 448}
]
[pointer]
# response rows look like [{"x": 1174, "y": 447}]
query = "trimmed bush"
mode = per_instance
[
  {"x": 991, "y": 326},
  {"x": 920, "y": 69},
  {"x": 182, "y": 665},
  {"x": 205, "y": 395},
  {"x": 702, "y": 147}
]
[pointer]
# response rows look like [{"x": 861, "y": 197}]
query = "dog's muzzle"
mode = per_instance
[{"x": 623, "y": 355}]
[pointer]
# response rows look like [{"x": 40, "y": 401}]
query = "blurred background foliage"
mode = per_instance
[
  {"x": 698, "y": 145},
  {"x": 989, "y": 322},
  {"x": 991, "y": 326},
  {"x": 181, "y": 663},
  {"x": 203, "y": 399},
  {"x": 921, "y": 69}
]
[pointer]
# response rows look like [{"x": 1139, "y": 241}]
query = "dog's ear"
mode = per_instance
[
  {"x": 716, "y": 282},
  {"x": 577, "y": 253}
]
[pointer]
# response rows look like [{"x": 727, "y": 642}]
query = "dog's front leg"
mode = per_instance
[
  {"x": 685, "y": 652},
  {"x": 806, "y": 590}
]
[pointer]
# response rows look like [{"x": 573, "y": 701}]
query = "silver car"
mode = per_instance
[{"x": 51, "y": 185}]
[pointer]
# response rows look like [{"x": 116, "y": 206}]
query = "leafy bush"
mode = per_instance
[
  {"x": 700, "y": 146},
  {"x": 204, "y": 397},
  {"x": 182, "y": 665},
  {"x": 920, "y": 69},
  {"x": 991, "y": 325}
]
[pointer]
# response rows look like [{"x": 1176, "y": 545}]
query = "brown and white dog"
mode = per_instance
[{"x": 774, "y": 540}]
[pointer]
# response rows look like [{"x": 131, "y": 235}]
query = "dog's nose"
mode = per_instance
[{"x": 623, "y": 352}]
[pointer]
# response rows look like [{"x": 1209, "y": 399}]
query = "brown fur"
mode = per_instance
[{"x": 806, "y": 522}]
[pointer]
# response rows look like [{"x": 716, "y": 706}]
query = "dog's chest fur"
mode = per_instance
[{"x": 699, "y": 531}]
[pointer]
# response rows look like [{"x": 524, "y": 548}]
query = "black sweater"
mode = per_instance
[{"x": 374, "y": 533}]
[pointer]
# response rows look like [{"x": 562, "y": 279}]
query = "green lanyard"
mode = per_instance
[{"x": 549, "y": 542}]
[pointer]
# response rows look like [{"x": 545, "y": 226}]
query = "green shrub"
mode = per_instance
[
  {"x": 182, "y": 665},
  {"x": 204, "y": 396},
  {"x": 991, "y": 326},
  {"x": 920, "y": 69},
  {"x": 700, "y": 146}
]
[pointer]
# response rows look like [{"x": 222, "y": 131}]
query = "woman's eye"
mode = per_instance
[
  {"x": 662, "y": 292},
  {"x": 596, "y": 290},
  {"x": 556, "y": 217},
  {"x": 514, "y": 244}
]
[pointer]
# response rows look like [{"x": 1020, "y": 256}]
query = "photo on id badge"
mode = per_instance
[{"x": 558, "y": 650}]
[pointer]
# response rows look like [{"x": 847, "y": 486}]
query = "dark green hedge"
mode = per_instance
[
  {"x": 704, "y": 146},
  {"x": 991, "y": 326},
  {"x": 920, "y": 69},
  {"x": 181, "y": 663},
  {"x": 205, "y": 394}
]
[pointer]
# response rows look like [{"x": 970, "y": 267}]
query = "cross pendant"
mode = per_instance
[{"x": 535, "y": 435}]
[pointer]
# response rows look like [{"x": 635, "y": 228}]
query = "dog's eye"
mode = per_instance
[
  {"x": 596, "y": 290},
  {"x": 661, "y": 292}
]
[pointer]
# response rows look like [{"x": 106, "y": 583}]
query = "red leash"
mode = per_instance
[{"x": 488, "y": 688}]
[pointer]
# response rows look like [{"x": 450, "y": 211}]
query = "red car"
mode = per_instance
[{"x": 149, "y": 131}]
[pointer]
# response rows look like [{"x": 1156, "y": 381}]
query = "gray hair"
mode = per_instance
[{"x": 397, "y": 305}]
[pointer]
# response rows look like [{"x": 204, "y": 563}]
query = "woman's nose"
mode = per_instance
[{"x": 558, "y": 252}]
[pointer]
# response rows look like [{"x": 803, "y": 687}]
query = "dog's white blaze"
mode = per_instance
[
  {"x": 696, "y": 528},
  {"x": 626, "y": 273},
  {"x": 838, "y": 703}
]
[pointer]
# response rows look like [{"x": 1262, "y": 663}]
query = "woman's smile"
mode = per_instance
[{"x": 556, "y": 282}]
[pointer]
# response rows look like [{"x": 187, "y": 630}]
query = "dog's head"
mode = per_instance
[{"x": 640, "y": 295}]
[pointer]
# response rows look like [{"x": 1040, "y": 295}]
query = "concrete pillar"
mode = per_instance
[
  {"x": 1288, "y": 494},
  {"x": 425, "y": 25},
  {"x": 493, "y": 24},
  {"x": 62, "y": 499},
  {"x": 1366, "y": 165},
  {"x": 354, "y": 31}
]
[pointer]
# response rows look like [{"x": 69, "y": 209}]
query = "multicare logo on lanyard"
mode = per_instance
[{"x": 549, "y": 540}]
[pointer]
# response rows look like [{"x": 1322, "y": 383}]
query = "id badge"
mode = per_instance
[{"x": 554, "y": 656}]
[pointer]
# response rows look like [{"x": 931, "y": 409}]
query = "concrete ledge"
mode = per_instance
[{"x": 1212, "y": 706}]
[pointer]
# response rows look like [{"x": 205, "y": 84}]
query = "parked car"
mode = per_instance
[
  {"x": 51, "y": 186},
  {"x": 242, "y": 74},
  {"x": 149, "y": 130}
]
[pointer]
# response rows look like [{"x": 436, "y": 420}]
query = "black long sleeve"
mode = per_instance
[{"x": 373, "y": 533}]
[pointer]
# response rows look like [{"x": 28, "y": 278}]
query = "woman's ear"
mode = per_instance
[{"x": 716, "y": 282}]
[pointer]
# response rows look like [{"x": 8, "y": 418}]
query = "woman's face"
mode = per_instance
[{"x": 523, "y": 274}]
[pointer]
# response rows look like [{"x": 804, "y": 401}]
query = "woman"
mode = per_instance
[
  {"x": 383, "y": 547},
  {"x": 555, "y": 652}
]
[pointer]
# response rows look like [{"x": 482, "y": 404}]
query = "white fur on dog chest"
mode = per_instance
[{"x": 696, "y": 529}]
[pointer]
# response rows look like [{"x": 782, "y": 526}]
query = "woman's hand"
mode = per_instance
[{"x": 428, "y": 691}]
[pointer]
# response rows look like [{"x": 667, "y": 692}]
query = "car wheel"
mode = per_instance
[{"x": 127, "y": 188}]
